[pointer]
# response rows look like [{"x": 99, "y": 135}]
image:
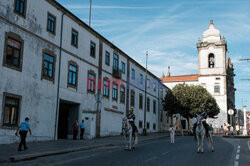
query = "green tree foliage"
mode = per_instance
[{"x": 187, "y": 100}]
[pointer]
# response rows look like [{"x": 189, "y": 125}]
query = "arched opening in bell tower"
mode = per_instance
[{"x": 211, "y": 60}]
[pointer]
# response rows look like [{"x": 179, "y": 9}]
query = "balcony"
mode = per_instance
[{"x": 117, "y": 73}]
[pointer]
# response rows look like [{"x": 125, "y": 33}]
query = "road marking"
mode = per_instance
[
  {"x": 237, "y": 157},
  {"x": 152, "y": 158},
  {"x": 238, "y": 151},
  {"x": 238, "y": 146},
  {"x": 248, "y": 143},
  {"x": 165, "y": 153},
  {"x": 236, "y": 163}
]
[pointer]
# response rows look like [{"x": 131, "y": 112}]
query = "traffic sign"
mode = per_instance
[{"x": 230, "y": 111}]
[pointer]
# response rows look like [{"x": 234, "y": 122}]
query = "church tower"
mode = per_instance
[{"x": 212, "y": 69}]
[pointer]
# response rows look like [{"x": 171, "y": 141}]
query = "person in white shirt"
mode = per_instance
[{"x": 172, "y": 133}]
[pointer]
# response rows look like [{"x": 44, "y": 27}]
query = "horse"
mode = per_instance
[
  {"x": 130, "y": 138},
  {"x": 200, "y": 133}
]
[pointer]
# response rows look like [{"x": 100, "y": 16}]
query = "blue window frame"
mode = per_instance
[
  {"x": 216, "y": 89},
  {"x": 72, "y": 80},
  {"x": 92, "y": 49},
  {"x": 123, "y": 67},
  {"x": 48, "y": 66},
  {"x": 106, "y": 88},
  {"x": 91, "y": 82},
  {"x": 133, "y": 73},
  {"x": 141, "y": 79},
  {"x": 74, "y": 39},
  {"x": 107, "y": 58},
  {"x": 20, "y": 7},
  {"x": 51, "y": 24},
  {"x": 115, "y": 62},
  {"x": 114, "y": 92}
]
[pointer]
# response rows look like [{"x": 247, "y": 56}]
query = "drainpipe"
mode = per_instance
[{"x": 58, "y": 81}]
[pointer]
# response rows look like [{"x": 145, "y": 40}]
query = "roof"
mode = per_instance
[{"x": 181, "y": 78}]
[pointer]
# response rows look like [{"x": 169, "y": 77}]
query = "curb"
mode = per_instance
[
  {"x": 25, "y": 157},
  {"x": 236, "y": 136}
]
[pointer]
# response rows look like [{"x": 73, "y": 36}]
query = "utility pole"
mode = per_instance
[
  {"x": 90, "y": 12},
  {"x": 144, "y": 132},
  {"x": 245, "y": 120}
]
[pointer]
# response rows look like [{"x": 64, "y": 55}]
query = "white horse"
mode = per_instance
[
  {"x": 130, "y": 138},
  {"x": 200, "y": 133}
]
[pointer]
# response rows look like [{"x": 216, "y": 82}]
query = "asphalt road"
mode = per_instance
[{"x": 158, "y": 152}]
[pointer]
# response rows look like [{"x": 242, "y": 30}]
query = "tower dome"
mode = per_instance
[{"x": 211, "y": 35}]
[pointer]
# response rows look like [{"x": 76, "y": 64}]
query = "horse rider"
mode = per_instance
[
  {"x": 131, "y": 119},
  {"x": 203, "y": 114}
]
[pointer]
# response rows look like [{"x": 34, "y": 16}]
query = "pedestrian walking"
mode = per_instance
[
  {"x": 225, "y": 129},
  {"x": 82, "y": 126},
  {"x": 172, "y": 133},
  {"x": 75, "y": 129},
  {"x": 23, "y": 129}
]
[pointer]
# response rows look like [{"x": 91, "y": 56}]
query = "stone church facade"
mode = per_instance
[{"x": 215, "y": 73}]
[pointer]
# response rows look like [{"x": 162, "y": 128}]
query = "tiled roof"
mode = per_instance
[{"x": 181, "y": 78}]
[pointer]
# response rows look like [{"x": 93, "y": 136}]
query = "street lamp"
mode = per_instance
[{"x": 144, "y": 131}]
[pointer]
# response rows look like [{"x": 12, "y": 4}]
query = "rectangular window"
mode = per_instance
[
  {"x": 140, "y": 124},
  {"x": 148, "y": 104},
  {"x": 154, "y": 126},
  {"x": 106, "y": 88},
  {"x": 74, "y": 38},
  {"x": 140, "y": 101},
  {"x": 123, "y": 67},
  {"x": 154, "y": 107},
  {"x": 51, "y": 23},
  {"x": 216, "y": 89},
  {"x": 122, "y": 94},
  {"x": 161, "y": 93},
  {"x": 13, "y": 53},
  {"x": 154, "y": 86},
  {"x": 115, "y": 62},
  {"x": 141, "y": 79},
  {"x": 91, "y": 82},
  {"x": 148, "y": 83},
  {"x": 11, "y": 110},
  {"x": 20, "y": 7},
  {"x": 148, "y": 125},
  {"x": 107, "y": 58},
  {"x": 132, "y": 98},
  {"x": 72, "y": 77},
  {"x": 48, "y": 66},
  {"x": 133, "y": 73},
  {"x": 92, "y": 49},
  {"x": 114, "y": 92}
]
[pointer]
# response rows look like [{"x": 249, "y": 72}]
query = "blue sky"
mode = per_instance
[{"x": 169, "y": 30}]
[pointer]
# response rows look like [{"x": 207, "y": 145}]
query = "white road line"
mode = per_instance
[
  {"x": 248, "y": 143},
  {"x": 238, "y": 151},
  {"x": 236, "y": 163},
  {"x": 238, "y": 146},
  {"x": 165, "y": 153},
  {"x": 152, "y": 158},
  {"x": 237, "y": 157}
]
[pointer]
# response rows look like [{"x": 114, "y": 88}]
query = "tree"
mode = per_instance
[{"x": 170, "y": 104}]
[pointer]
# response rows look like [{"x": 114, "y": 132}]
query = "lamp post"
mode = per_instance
[
  {"x": 144, "y": 131},
  {"x": 245, "y": 120}
]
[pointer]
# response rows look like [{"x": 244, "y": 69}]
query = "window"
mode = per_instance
[
  {"x": 148, "y": 83},
  {"x": 91, "y": 81},
  {"x": 141, "y": 79},
  {"x": 13, "y": 51},
  {"x": 114, "y": 92},
  {"x": 154, "y": 86},
  {"x": 161, "y": 93},
  {"x": 123, "y": 67},
  {"x": 211, "y": 61},
  {"x": 132, "y": 98},
  {"x": 161, "y": 118},
  {"x": 140, "y": 101},
  {"x": 48, "y": 68},
  {"x": 154, "y": 107},
  {"x": 122, "y": 94},
  {"x": 216, "y": 89},
  {"x": 115, "y": 62},
  {"x": 74, "y": 38},
  {"x": 51, "y": 24},
  {"x": 133, "y": 73},
  {"x": 154, "y": 126},
  {"x": 107, "y": 58},
  {"x": 140, "y": 124},
  {"x": 148, "y": 104},
  {"x": 92, "y": 49},
  {"x": 217, "y": 78},
  {"x": 148, "y": 125},
  {"x": 20, "y": 7},
  {"x": 106, "y": 87},
  {"x": 72, "y": 75},
  {"x": 11, "y": 110}
]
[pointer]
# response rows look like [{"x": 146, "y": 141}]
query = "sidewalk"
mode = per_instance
[{"x": 48, "y": 148}]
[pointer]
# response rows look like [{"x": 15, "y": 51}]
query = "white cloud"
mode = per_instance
[{"x": 75, "y": 6}]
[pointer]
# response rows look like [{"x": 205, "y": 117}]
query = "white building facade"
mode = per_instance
[
  {"x": 56, "y": 69},
  {"x": 215, "y": 73}
]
